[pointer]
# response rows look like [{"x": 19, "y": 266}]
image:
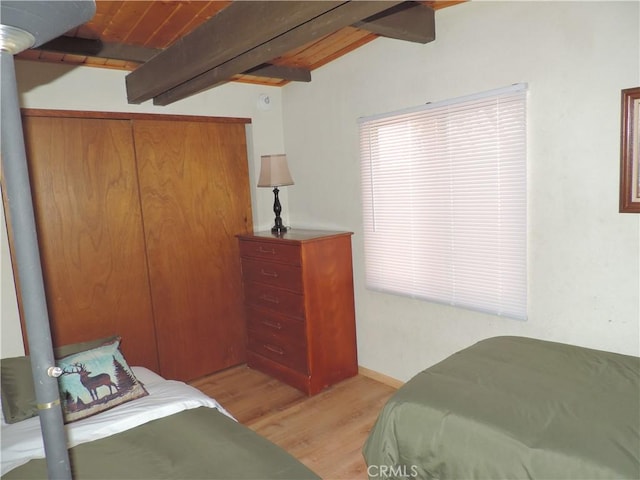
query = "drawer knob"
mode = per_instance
[
  {"x": 261, "y": 249},
  {"x": 269, "y": 298},
  {"x": 273, "y": 348},
  {"x": 268, "y": 274},
  {"x": 269, "y": 323}
]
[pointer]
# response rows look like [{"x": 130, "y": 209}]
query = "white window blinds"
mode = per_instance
[{"x": 444, "y": 201}]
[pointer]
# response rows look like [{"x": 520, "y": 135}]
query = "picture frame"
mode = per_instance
[{"x": 630, "y": 151}]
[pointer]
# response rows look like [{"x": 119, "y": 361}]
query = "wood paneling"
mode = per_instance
[
  {"x": 267, "y": 47},
  {"x": 90, "y": 232},
  {"x": 137, "y": 216},
  {"x": 239, "y": 28},
  {"x": 195, "y": 196},
  {"x": 160, "y": 24}
]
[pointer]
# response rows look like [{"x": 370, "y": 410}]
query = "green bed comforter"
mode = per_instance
[
  {"x": 200, "y": 443},
  {"x": 510, "y": 408}
]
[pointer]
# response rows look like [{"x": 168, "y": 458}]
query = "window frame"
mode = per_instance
[{"x": 509, "y": 139}]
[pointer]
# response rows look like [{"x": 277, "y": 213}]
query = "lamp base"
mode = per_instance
[{"x": 278, "y": 230}]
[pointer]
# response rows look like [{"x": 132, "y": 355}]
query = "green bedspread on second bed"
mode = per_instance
[
  {"x": 513, "y": 407},
  {"x": 200, "y": 443}
]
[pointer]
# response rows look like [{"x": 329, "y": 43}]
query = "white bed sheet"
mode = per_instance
[{"x": 22, "y": 441}]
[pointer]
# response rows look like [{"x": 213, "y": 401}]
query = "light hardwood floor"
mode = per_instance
[{"x": 325, "y": 432}]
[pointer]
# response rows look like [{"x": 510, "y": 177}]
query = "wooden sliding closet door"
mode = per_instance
[
  {"x": 195, "y": 198},
  {"x": 85, "y": 192}
]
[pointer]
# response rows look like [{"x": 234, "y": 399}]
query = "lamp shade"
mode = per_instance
[{"x": 274, "y": 171}]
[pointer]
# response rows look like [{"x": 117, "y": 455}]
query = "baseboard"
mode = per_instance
[{"x": 380, "y": 377}]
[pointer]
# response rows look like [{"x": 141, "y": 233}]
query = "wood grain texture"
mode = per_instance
[
  {"x": 329, "y": 303},
  {"x": 195, "y": 198},
  {"x": 137, "y": 217},
  {"x": 38, "y": 112},
  {"x": 324, "y": 304},
  {"x": 90, "y": 232},
  {"x": 236, "y": 29},
  {"x": 325, "y": 432},
  {"x": 319, "y": 52},
  {"x": 268, "y": 47},
  {"x": 159, "y": 24}
]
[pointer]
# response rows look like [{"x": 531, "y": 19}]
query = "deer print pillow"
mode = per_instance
[
  {"x": 17, "y": 391},
  {"x": 96, "y": 380}
]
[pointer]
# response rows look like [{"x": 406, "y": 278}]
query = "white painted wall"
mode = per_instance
[
  {"x": 584, "y": 257},
  {"x": 52, "y": 86}
]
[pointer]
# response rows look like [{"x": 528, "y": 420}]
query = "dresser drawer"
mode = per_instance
[
  {"x": 276, "y": 274},
  {"x": 300, "y": 314},
  {"x": 269, "y": 324},
  {"x": 273, "y": 298},
  {"x": 278, "y": 252},
  {"x": 289, "y": 354}
]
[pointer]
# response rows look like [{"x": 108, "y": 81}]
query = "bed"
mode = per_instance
[
  {"x": 513, "y": 407},
  {"x": 173, "y": 431}
]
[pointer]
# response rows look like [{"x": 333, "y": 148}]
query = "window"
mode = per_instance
[{"x": 444, "y": 201}]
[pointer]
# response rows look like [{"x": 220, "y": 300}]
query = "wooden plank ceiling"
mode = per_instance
[{"x": 177, "y": 48}]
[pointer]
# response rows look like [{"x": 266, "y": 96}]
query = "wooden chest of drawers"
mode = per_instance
[{"x": 298, "y": 291}]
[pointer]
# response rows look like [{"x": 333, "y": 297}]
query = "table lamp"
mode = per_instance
[{"x": 274, "y": 172}]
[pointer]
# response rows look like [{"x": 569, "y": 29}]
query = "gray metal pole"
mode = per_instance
[{"x": 18, "y": 197}]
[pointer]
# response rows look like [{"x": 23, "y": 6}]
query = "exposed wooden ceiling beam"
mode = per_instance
[
  {"x": 410, "y": 21},
  {"x": 236, "y": 29},
  {"x": 279, "y": 71},
  {"x": 342, "y": 15},
  {"x": 100, "y": 49},
  {"x": 139, "y": 54}
]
